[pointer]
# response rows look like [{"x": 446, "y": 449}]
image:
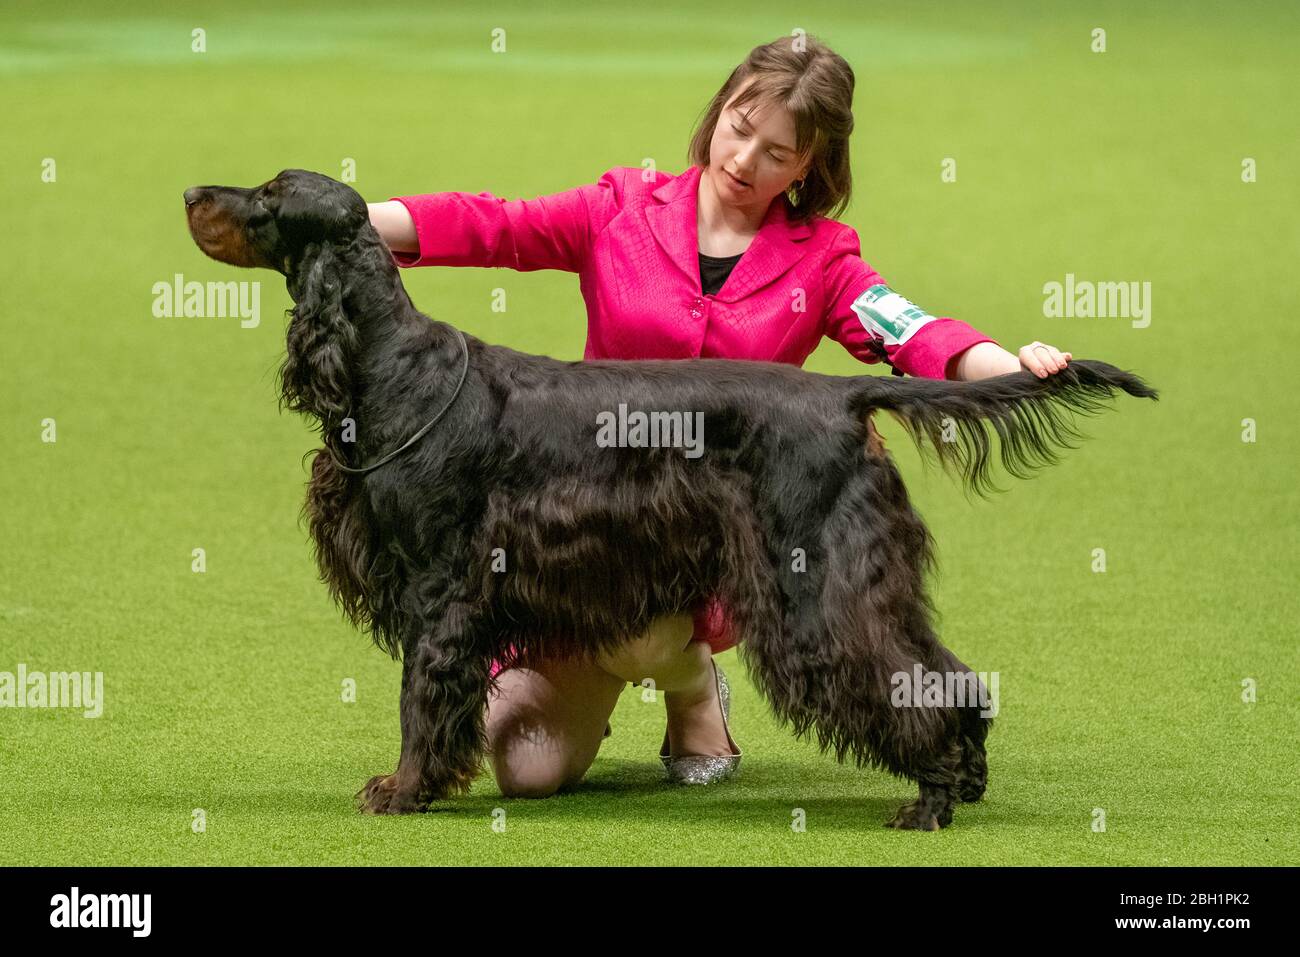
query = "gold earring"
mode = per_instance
[{"x": 792, "y": 193}]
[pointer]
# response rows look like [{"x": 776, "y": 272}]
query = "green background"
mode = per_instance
[{"x": 1119, "y": 691}]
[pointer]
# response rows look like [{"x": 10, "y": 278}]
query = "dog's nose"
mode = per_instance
[{"x": 193, "y": 195}]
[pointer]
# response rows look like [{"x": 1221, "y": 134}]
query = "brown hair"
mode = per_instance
[{"x": 815, "y": 84}]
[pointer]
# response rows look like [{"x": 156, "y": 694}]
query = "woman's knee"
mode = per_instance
[
  {"x": 532, "y": 748},
  {"x": 526, "y": 760},
  {"x": 528, "y": 779}
]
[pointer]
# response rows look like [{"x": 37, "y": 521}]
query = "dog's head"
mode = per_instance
[
  {"x": 276, "y": 225},
  {"x": 310, "y": 228}
]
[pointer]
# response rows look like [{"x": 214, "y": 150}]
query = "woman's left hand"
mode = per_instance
[{"x": 1042, "y": 360}]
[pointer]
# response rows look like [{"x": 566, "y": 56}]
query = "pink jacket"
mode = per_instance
[{"x": 633, "y": 242}]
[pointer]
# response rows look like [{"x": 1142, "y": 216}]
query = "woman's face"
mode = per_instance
[{"x": 754, "y": 144}]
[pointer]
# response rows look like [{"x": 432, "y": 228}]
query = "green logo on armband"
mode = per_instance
[{"x": 888, "y": 316}]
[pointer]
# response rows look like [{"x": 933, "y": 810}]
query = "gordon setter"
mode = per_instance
[{"x": 464, "y": 508}]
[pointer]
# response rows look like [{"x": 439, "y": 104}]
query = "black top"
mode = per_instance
[{"x": 714, "y": 271}]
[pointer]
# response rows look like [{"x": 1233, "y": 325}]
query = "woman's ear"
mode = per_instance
[{"x": 316, "y": 375}]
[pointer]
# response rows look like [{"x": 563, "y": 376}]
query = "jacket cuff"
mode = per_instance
[{"x": 927, "y": 353}]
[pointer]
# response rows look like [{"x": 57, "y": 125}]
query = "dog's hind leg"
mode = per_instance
[
  {"x": 444, "y": 693},
  {"x": 855, "y": 631},
  {"x": 958, "y": 770}
]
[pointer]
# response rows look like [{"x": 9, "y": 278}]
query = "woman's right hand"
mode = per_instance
[{"x": 392, "y": 220}]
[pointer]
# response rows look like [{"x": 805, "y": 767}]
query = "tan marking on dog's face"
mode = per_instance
[{"x": 219, "y": 235}]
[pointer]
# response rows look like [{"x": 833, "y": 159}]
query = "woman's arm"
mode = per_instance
[
  {"x": 478, "y": 229},
  {"x": 395, "y": 225},
  {"x": 867, "y": 317}
]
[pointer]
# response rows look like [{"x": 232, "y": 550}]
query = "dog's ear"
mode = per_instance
[
  {"x": 315, "y": 377},
  {"x": 311, "y": 207}
]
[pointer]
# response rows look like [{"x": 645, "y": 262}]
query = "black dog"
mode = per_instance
[{"x": 463, "y": 508}]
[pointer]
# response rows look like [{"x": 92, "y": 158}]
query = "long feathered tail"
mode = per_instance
[{"x": 1031, "y": 416}]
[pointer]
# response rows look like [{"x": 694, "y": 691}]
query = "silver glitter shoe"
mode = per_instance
[{"x": 705, "y": 768}]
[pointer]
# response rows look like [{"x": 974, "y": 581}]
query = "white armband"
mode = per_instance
[{"x": 888, "y": 316}]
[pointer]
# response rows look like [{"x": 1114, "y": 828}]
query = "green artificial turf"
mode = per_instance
[{"x": 1120, "y": 690}]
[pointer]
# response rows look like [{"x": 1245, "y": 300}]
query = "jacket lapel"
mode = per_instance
[{"x": 673, "y": 220}]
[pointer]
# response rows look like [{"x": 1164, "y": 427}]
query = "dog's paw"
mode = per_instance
[
  {"x": 970, "y": 783},
  {"x": 919, "y": 816},
  {"x": 970, "y": 790},
  {"x": 381, "y": 795}
]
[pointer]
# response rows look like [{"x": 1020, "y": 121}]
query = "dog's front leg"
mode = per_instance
[{"x": 444, "y": 696}]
